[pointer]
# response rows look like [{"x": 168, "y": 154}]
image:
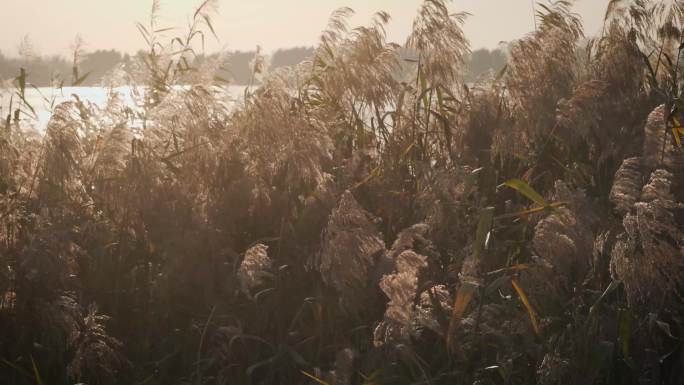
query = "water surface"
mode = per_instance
[{"x": 44, "y": 99}]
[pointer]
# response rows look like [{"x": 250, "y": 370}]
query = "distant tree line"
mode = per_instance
[
  {"x": 483, "y": 61},
  {"x": 46, "y": 70}
]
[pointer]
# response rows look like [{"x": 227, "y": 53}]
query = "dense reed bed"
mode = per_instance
[{"x": 362, "y": 218}]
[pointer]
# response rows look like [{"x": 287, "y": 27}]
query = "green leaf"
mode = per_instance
[
  {"x": 81, "y": 79},
  {"x": 211, "y": 27},
  {"x": 528, "y": 305},
  {"x": 311, "y": 376},
  {"x": 201, "y": 8},
  {"x": 463, "y": 297},
  {"x": 27, "y": 104},
  {"x": 678, "y": 133},
  {"x": 501, "y": 74},
  {"x": 220, "y": 79},
  {"x": 36, "y": 373},
  {"x": 143, "y": 32},
  {"x": 482, "y": 233},
  {"x": 625, "y": 333},
  {"x": 525, "y": 189},
  {"x": 22, "y": 82},
  {"x": 440, "y": 101},
  {"x": 532, "y": 210}
]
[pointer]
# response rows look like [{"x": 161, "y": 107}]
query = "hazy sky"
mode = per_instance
[{"x": 242, "y": 24}]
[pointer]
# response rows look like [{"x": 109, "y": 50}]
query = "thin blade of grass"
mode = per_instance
[
  {"x": 678, "y": 132},
  {"x": 532, "y": 210},
  {"x": 311, "y": 376},
  {"x": 611, "y": 288},
  {"x": 463, "y": 297},
  {"x": 625, "y": 333},
  {"x": 16, "y": 367},
  {"x": 526, "y": 190},
  {"x": 36, "y": 373},
  {"x": 528, "y": 305}
]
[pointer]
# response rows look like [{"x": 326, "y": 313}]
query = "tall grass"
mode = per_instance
[{"x": 364, "y": 217}]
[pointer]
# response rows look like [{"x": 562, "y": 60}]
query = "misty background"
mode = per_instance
[{"x": 43, "y": 43}]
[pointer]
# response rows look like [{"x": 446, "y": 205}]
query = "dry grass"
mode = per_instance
[{"x": 250, "y": 245}]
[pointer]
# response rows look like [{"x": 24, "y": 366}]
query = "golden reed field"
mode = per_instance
[{"x": 363, "y": 217}]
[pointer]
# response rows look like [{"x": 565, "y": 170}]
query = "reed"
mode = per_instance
[{"x": 364, "y": 217}]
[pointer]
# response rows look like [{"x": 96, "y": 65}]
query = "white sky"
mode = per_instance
[{"x": 242, "y": 24}]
